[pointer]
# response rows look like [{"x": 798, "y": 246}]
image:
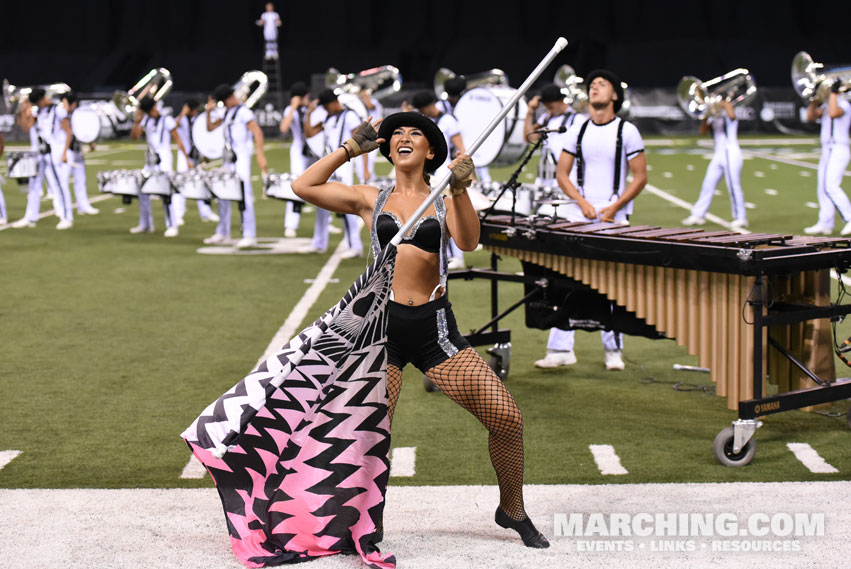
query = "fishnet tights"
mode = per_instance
[{"x": 467, "y": 380}]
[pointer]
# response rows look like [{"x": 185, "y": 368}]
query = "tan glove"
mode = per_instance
[
  {"x": 363, "y": 140},
  {"x": 461, "y": 175}
]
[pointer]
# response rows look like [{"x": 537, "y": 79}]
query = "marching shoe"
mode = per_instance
[
  {"x": 455, "y": 263},
  {"x": 333, "y": 229},
  {"x": 2, "y": 221},
  {"x": 171, "y": 232},
  {"x": 246, "y": 242},
  {"x": 23, "y": 222},
  {"x": 528, "y": 533},
  {"x": 141, "y": 229},
  {"x": 614, "y": 361},
  {"x": 307, "y": 249},
  {"x": 289, "y": 233},
  {"x": 351, "y": 254},
  {"x": 212, "y": 217},
  {"x": 216, "y": 239},
  {"x": 818, "y": 230},
  {"x": 180, "y": 222},
  {"x": 64, "y": 224},
  {"x": 557, "y": 359},
  {"x": 846, "y": 230},
  {"x": 89, "y": 211},
  {"x": 693, "y": 220},
  {"x": 738, "y": 224}
]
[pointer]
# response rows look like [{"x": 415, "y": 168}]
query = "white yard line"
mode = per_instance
[
  {"x": 608, "y": 462},
  {"x": 7, "y": 456},
  {"x": 193, "y": 469},
  {"x": 789, "y": 161},
  {"x": 293, "y": 322},
  {"x": 429, "y": 527},
  {"x": 50, "y": 212},
  {"x": 402, "y": 461},
  {"x": 810, "y": 458}
]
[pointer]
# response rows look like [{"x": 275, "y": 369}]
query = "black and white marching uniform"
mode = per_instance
[
  {"x": 727, "y": 163},
  {"x": 301, "y": 158},
  {"x": 337, "y": 129},
  {"x": 52, "y": 145},
  {"x": 158, "y": 158},
  {"x": 601, "y": 160},
  {"x": 76, "y": 165},
  {"x": 184, "y": 132},
  {"x": 835, "y": 155}
]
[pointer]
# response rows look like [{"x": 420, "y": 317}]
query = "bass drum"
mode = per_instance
[
  {"x": 474, "y": 111},
  {"x": 316, "y": 143},
  {"x": 86, "y": 124},
  {"x": 210, "y": 143}
]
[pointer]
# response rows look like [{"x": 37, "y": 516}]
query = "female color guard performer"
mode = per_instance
[{"x": 421, "y": 327}]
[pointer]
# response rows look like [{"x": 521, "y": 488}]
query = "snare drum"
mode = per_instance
[
  {"x": 156, "y": 183},
  {"x": 474, "y": 111},
  {"x": 279, "y": 186},
  {"x": 192, "y": 185},
  {"x": 210, "y": 143},
  {"x": 225, "y": 185},
  {"x": 22, "y": 164},
  {"x": 120, "y": 182}
]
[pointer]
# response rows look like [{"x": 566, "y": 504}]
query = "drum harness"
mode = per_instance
[{"x": 580, "y": 162}]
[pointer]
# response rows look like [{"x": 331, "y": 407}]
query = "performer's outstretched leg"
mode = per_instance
[{"x": 466, "y": 379}]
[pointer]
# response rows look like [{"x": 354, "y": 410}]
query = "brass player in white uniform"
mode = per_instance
[
  {"x": 301, "y": 156},
  {"x": 603, "y": 148}
]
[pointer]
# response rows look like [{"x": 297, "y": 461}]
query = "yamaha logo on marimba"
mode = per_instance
[{"x": 765, "y": 407}]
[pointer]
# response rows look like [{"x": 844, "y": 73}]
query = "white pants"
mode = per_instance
[
  {"x": 298, "y": 164},
  {"x": 34, "y": 193},
  {"x": 483, "y": 173},
  {"x": 562, "y": 340},
  {"x": 178, "y": 201},
  {"x": 3, "y": 214},
  {"x": 831, "y": 168},
  {"x": 56, "y": 174},
  {"x": 242, "y": 167},
  {"x": 146, "y": 214},
  {"x": 370, "y": 161},
  {"x": 345, "y": 173},
  {"x": 77, "y": 167},
  {"x": 726, "y": 163}
]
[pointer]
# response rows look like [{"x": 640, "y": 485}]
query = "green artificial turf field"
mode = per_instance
[{"x": 113, "y": 343}]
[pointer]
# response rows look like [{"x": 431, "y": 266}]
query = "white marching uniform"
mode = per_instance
[
  {"x": 52, "y": 136},
  {"x": 158, "y": 158},
  {"x": 301, "y": 158},
  {"x": 178, "y": 201},
  {"x": 727, "y": 163},
  {"x": 337, "y": 129},
  {"x": 835, "y": 155},
  {"x": 76, "y": 166},
  {"x": 240, "y": 139},
  {"x": 270, "y": 33},
  {"x": 35, "y": 182},
  {"x": 552, "y": 146},
  {"x": 601, "y": 179},
  {"x": 377, "y": 113}
]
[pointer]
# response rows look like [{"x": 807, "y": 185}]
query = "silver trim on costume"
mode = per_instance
[{"x": 443, "y": 334}]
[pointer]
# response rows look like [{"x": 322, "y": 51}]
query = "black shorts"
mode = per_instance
[{"x": 424, "y": 335}]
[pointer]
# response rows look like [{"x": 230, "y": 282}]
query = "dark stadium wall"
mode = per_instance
[{"x": 103, "y": 44}]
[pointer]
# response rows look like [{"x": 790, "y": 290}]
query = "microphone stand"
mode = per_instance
[{"x": 512, "y": 182}]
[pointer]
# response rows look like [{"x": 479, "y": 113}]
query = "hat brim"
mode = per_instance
[
  {"x": 430, "y": 129},
  {"x": 611, "y": 78}
]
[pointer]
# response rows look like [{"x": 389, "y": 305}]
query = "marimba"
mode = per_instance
[{"x": 726, "y": 297}]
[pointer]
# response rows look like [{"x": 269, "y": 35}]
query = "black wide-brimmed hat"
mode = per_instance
[
  {"x": 431, "y": 131},
  {"x": 611, "y": 78}
]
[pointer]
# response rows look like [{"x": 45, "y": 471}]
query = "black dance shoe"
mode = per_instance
[{"x": 528, "y": 533}]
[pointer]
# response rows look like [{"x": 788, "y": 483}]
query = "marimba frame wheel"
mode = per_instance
[
  {"x": 723, "y": 447},
  {"x": 429, "y": 386},
  {"x": 499, "y": 367}
]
